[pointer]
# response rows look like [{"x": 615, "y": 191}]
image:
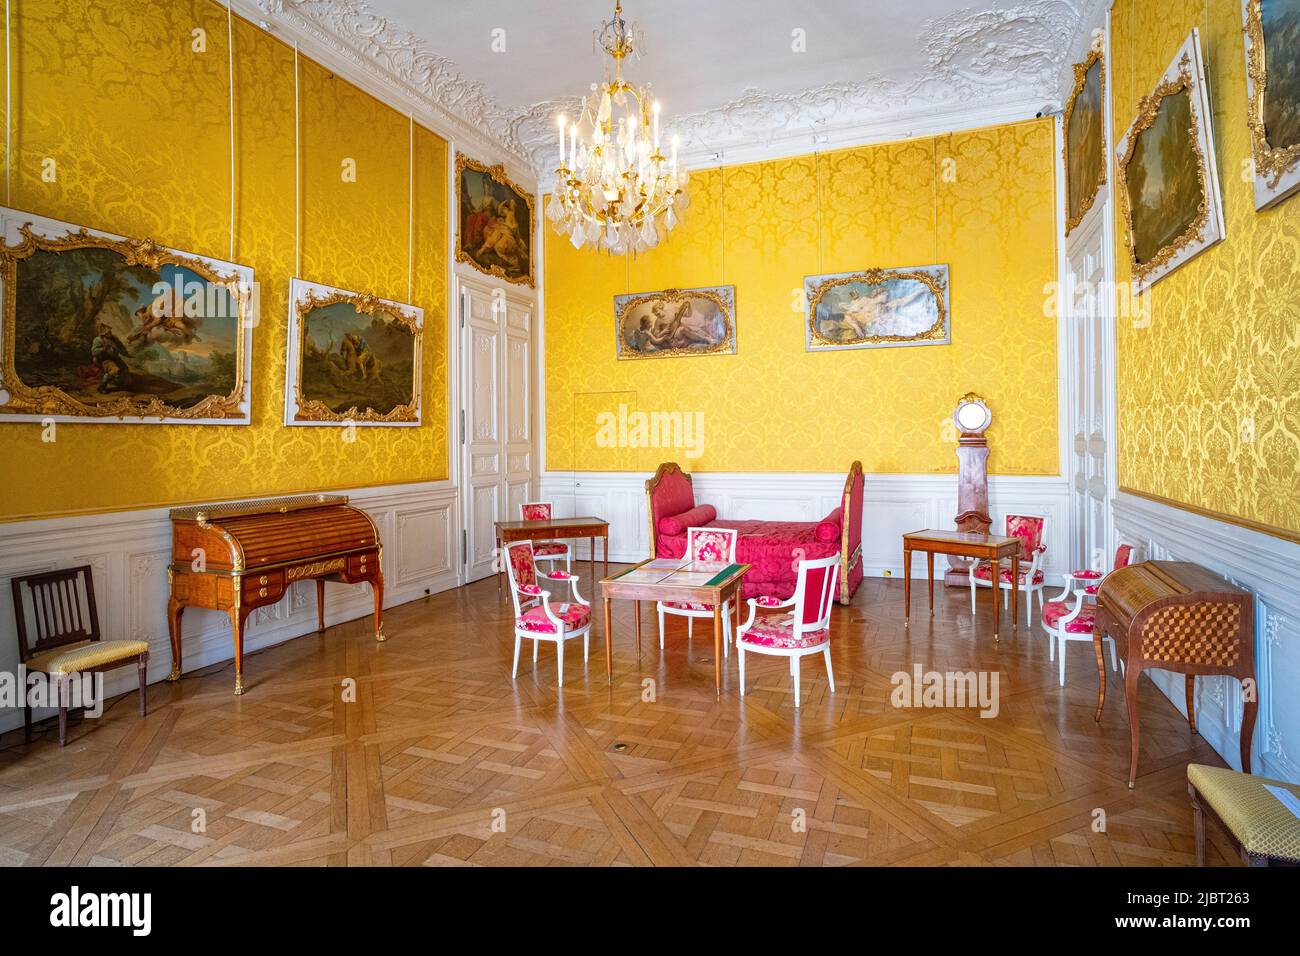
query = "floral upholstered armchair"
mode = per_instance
[
  {"x": 549, "y": 551},
  {"x": 536, "y": 618},
  {"x": 706, "y": 546},
  {"x": 1029, "y": 529}
]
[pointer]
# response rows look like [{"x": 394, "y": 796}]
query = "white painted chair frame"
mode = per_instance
[
  {"x": 566, "y": 554},
  {"x": 691, "y": 615},
  {"x": 525, "y": 601},
  {"x": 1058, "y": 637},
  {"x": 825, "y": 601},
  {"x": 1028, "y": 588}
]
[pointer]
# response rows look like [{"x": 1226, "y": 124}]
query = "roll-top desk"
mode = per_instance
[
  {"x": 241, "y": 555},
  {"x": 1180, "y": 617}
]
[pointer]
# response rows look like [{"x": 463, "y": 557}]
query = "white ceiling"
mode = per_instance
[{"x": 724, "y": 70}]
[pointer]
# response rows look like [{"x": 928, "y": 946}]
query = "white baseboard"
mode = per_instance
[
  {"x": 128, "y": 552},
  {"x": 892, "y": 506},
  {"x": 1266, "y": 565}
]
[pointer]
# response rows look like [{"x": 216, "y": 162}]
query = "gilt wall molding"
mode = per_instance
[{"x": 981, "y": 66}]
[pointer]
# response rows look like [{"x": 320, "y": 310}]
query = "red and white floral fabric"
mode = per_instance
[
  {"x": 536, "y": 511},
  {"x": 1029, "y": 530},
  {"x": 530, "y": 589},
  {"x": 710, "y": 546},
  {"x": 574, "y": 616},
  {"x": 984, "y": 571},
  {"x": 549, "y": 547},
  {"x": 558, "y": 575},
  {"x": 521, "y": 562},
  {"x": 1090, "y": 589},
  {"x": 1088, "y": 574},
  {"x": 1053, "y": 611},
  {"x": 766, "y": 600},
  {"x": 688, "y": 606},
  {"x": 773, "y": 630}
]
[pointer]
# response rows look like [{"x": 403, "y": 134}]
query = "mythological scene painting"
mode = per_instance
[
  {"x": 495, "y": 222},
  {"x": 98, "y": 327},
  {"x": 1085, "y": 144},
  {"x": 878, "y": 308},
  {"x": 355, "y": 358},
  {"x": 676, "y": 322}
]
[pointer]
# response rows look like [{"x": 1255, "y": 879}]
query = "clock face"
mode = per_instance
[{"x": 972, "y": 416}]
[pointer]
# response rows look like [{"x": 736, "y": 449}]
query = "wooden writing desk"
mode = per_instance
[
  {"x": 963, "y": 544},
  {"x": 675, "y": 579},
  {"x": 552, "y": 529}
]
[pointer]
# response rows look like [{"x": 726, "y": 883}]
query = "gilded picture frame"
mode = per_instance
[
  {"x": 103, "y": 328},
  {"x": 349, "y": 358},
  {"x": 1083, "y": 150},
  {"x": 878, "y": 308},
  {"x": 489, "y": 235},
  {"x": 675, "y": 322},
  {"x": 1273, "y": 24},
  {"x": 1173, "y": 127}
]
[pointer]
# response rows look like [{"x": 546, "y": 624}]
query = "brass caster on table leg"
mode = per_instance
[
  {"x": 175, "y": 675},
  {"x": 239, "y": 684},
  {"x": 379, "y": 636}
]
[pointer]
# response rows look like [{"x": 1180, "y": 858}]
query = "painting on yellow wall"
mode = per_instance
[
  {"x": 1273, "y": 89},
  {"x": 495, "y": 224},
  {"x": 1168, "y": 177},
  {"x": 878, "y": 308},
  {"x": 676, "y": 322},
  {"x": 353, "y": 358},
  {"x": 1085, "y": 139},
  {"x": 99, "y": 327}
]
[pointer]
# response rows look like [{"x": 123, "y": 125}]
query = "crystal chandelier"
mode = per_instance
[{"x": 614, "y": 183}]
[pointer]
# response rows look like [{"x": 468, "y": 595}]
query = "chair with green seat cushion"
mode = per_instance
[
  {"x": 57, "y": 610},
  {"x": 1266, "y": 830}
]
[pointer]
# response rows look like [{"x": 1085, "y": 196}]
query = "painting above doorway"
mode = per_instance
[
  {"x": 1085, "y": 139},
  {"x": 495, "y": 222},
  {"x": 1273, "y": 89}
]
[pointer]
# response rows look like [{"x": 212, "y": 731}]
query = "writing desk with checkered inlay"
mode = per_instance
[{"x": 1181, "y": 617}]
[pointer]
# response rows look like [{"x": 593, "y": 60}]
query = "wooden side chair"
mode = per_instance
[
  {"x": 804, "y": 629},
  {"x": 549, "y": 551},
  {"x": 64, "y": 638},
  {"x": 707, "y": 546}
]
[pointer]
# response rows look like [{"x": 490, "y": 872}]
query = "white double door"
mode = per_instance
[{"x": 497, "y": 431}]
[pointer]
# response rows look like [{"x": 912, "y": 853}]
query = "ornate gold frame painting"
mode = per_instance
[
  {"x": 495, "y": 220},
  {"x": 1084, "y": 152},
  {"x": 1273, "y": 89},
  {"x": 676, "y": 322},
  {"x": 1168, "y": 178},
  {"x": 353, "y": 358},
  {"x": 878, "y": 308},
  {"x": 102, "y": 328}
]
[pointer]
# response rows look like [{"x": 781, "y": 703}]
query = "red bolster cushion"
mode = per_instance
[
  {"x": 697, "y": 517},
  {"x": 828, "y": 529}
]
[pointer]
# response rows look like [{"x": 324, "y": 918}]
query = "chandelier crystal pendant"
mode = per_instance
[{"x": 614, "y": 185}]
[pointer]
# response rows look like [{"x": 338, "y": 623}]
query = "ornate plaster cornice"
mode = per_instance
[{"x": 990, "y": 64}]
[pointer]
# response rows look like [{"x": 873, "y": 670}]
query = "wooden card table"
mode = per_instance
[
  {"x": 675, "y": 579},
  {"x": 552, "y": 529},
  {"x": 963, "y": 544}
]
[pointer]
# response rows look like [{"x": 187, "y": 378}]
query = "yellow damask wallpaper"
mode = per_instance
[
  {"x": 982, "y": 201},
  {"x": 1209, "y": 377},
  {"x": 135, "y": 117}
]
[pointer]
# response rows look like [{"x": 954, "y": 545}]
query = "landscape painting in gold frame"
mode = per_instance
[
  {"x": 1085, "y": 139},
  {"x": 1273, "y": 93},
  {"x": 676, "y": 322},
  {"x": 353, "y": 359},
  {"x": 102, "y": 328},
  {"x": 1168, "y": 178},
  {"x": 495, "y": 222}
]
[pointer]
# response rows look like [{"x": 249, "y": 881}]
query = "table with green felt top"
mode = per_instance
[{"x": 675, "y": 579}]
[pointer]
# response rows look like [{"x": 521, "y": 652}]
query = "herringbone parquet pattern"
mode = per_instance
[{"x": 440, "y": 759}]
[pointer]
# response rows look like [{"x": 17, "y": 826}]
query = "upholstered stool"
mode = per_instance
[{"x": 1267, "y": 832}]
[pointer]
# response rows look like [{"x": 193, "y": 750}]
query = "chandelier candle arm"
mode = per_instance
[{"x": 614, "y": 186}]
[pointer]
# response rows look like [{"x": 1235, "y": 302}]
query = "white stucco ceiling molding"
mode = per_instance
[{"x": 981, "y": 66}]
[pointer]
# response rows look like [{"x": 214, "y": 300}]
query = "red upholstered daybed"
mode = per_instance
[{"x": 774, "y": 548}]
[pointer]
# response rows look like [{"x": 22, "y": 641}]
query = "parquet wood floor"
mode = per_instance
[{"x": 443, "y": 760}]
